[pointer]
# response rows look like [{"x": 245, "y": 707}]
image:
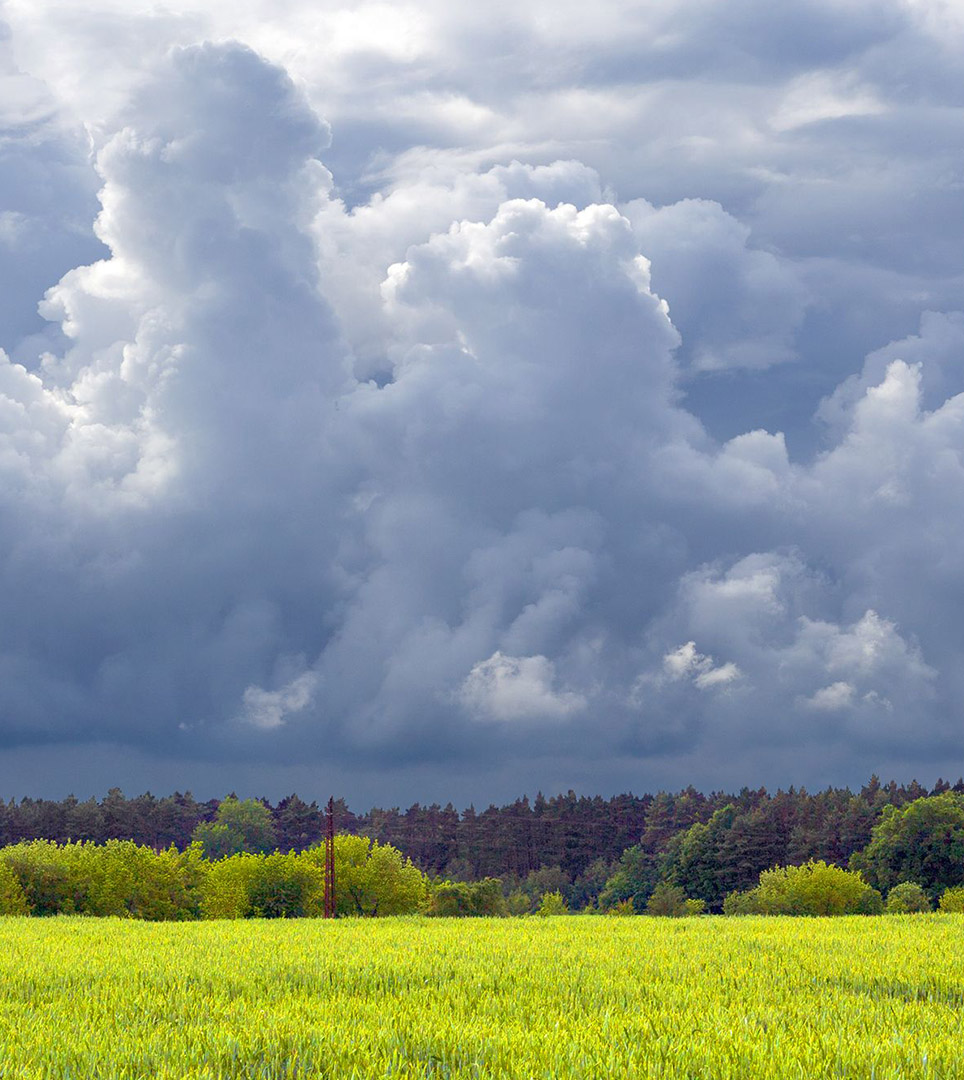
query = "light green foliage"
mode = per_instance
[
  {"x": 552, "y": 903},
  {"x": 370, "y": 879},
  {"x": 742, "y": 903},
  {"x": 907, "y": 898},
  {"x": 815, "y": 888},
  {"x": 228, "y": 886},
  {"x": 12, "y": 899},
  {"x": 373, "y": 878},
  {"x": 288, "y": 886},
  {"x": 125, "y": 879},
  {"x": 501, "y": 999},
  {"x": 117, "y": 878},
  {"x": 953, "y": 900},
  {"x": 922, "y": 841},
  {"x": 240, "y": 826}
]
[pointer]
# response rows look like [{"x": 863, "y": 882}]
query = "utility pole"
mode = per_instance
[{"x": 330, "y": 860}]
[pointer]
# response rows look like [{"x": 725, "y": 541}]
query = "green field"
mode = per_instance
[{"x": 532, "y": 998}]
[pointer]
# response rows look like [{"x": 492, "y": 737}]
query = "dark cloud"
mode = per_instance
[{"x": 482, "y": 479}]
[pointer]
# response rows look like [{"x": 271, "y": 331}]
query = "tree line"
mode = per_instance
[
  {"x": 568, "y": 832},
  {"x": 590, "y": 851},
  {"x": 915, "y": 856}
]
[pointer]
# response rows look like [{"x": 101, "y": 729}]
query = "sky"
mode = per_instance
[{"x": 446, "y": 401}]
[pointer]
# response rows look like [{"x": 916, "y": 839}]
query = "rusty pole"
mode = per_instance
[{"x": 330, "y": 860}]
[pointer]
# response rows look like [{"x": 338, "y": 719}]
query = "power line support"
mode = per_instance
[{"x": 330, "y": 860}]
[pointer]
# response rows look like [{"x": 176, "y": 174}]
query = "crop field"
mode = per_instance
[{"x": 533, "y": 998}]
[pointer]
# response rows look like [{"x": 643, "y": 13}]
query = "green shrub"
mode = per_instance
[
  {"x": 518, "y": 903},
  {"x": 48, "y": 876},
  {"x": 742, "y": 903},
  {"x": 552, "y": 903},
  {"x": 287, "y": 887},
  {"x": 12, "y": 899},
  {"x": 953, "y": 899},
  {"x": 907, "y": 898},
  {"x": 621, "y": 908},
  {"x": 815, "y": 888},
  {"x": 228, "y": 887},
  {"x": 461, "y": 898},
  {"x": 670, "y": 900}
]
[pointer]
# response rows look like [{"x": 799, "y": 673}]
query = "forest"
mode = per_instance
[{"x": 580, "y": 852}]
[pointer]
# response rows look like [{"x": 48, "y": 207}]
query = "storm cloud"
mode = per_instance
[{"x": 424, "y": 405}]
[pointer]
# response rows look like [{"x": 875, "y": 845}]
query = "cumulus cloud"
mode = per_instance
[
  {"x": 735, "y": 306},
  {"x": 268, "y": 709},
  {"x": 686, "y": 663},
  {"x": 838, "y": 695},
  {"x": 509, "y": 688},
  {"x": 478, "y": 413}
]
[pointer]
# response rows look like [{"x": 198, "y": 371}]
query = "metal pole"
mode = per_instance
[{"x": 330, "y": 860}]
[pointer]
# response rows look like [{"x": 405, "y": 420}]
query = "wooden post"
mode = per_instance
[{"x": 330, "y": 860}]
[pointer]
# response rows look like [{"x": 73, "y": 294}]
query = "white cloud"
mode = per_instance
[
  {"x": 838, "y": 695},
  {"x": 270, "y": 709},
  {"x": 686, "y": 663},
  {"x": 517, "y": 688},
  {"x": 820, "y": 96}
]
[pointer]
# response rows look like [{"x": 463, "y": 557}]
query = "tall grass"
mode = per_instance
[{"x": 566, "y": 997}]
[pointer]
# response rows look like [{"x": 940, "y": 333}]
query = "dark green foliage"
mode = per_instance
[
  {"x": 670, "y": 900},
  {"x": 634, "y": 878},
  {"x": 922, "y": 842},
  {"x": 298, "y": 825},
  {"x": 462, "y": 899}
]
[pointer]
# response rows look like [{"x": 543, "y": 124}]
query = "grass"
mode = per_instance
[{"x": 565, "y": 997}]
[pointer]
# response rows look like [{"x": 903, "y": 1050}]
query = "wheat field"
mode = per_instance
[{"x": 563, "y": 997}]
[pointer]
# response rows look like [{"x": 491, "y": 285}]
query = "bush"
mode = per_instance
[
  {"x": 448, "y": 899},
  {"x": 670, "y": 900},
  {"x": 373, "y": 878},
  {"x": 118, "y": 878},
  {"x": 815, "y": 888},
  {"x": 12, "y": 899},
  {"x": 46, "y": 875},
  {"x": 518, "y": 903},
  {"x": 621, "y": 908},
  {"x": 287, "y": 887},
  {"x": 552, "y": 903},
  {"x": 907, "y": 898},
  {"x": 228, "y": 887},
  {"x": 953, "y": 899},
  {"x": 742, "y": 903}
]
